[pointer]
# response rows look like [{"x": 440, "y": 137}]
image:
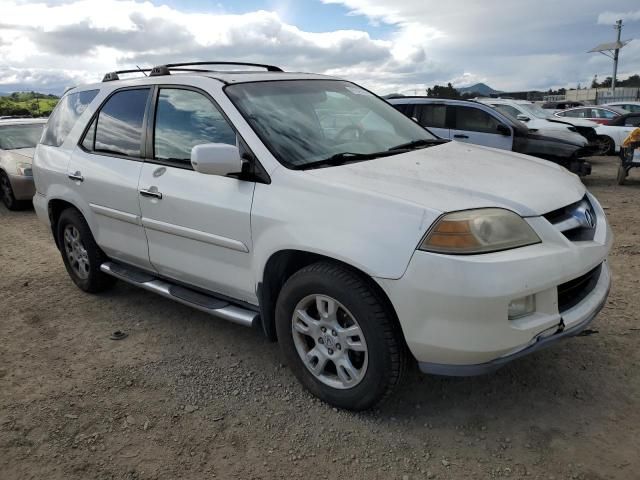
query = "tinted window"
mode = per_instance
[
  {"x": 65, "y": 115},
  {"x": 20, "y": 136},
  {"x": 434, "y": 116},
  {"x": 119, "y": 128},
  {"x": 474, "y": 120},
  {"x": 579, "y": 113},
  {"x": 184, "y": 119},
  {"x": 406, "y": 108},
  {"x": 602, "y": 113},
  {"x": 632, "y": 121}
]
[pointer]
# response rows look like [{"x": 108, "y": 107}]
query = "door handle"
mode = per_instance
[
  {"x": 152, "y": 192},
  {"x": 460, "y": 136},
  {"x": 76, "y": 176}
]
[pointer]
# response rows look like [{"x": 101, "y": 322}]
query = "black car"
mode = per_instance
[{"x": 628, "y": 120}]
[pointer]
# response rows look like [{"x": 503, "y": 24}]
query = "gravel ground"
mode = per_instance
[{"x": 189, "y": 396}]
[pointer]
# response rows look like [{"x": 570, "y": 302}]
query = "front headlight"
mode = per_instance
[
  {"x": 478, "y": 231},
  {"x": 24, "y": 169}
]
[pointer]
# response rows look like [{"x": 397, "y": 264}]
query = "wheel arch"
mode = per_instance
[
  {"x": 55, "y": 207},
  {"x": 284, "y": 263}
]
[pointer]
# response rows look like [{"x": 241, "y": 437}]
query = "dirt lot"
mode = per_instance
[{"x": 189, "y": 396}]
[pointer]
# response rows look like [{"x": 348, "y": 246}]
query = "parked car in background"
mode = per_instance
[
  {"x": 633, "y": 107},
  {"x": 357, "y": 249},
  {"x": 480, "y": 124},
  {"x": 599, "y": 114},
  {"x": 561, "y": 105},
  {"x": 628, "y": 120},
  {"x": 18, "y": 139}
]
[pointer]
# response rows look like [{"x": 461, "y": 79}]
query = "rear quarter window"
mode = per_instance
[{"x": 65, "y": 116}]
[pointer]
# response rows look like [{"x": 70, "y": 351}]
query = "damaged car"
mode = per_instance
[{"x": 480, "y": 124}]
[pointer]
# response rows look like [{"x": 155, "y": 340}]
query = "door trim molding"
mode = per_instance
[
  {"x": 197, "y": 235},
  {"x": 115, "y": 214}
]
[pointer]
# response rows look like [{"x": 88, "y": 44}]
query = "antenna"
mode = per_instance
[{"x": 143, "y": 72}]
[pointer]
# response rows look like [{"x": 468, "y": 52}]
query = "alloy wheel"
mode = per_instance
[
  {"x": 329, "y": 341},
  {"x": 76, "y": 252}
]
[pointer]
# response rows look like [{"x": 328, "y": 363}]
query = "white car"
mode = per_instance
[
  {"x": 358, "y": 250},
  {"x": 18, "y": 139},
  {"x": 631, "y": 107}
]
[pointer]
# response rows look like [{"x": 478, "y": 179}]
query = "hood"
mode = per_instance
[
  {"x": 457, "y": 176},
  {"x": 27, "y": 153},
  {"x": 576, "y": 122},
  {"x": 561, "y": 134}
]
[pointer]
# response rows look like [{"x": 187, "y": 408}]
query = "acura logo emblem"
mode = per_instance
[
  {"x": 583, "y": 214},
  {"x": 589, "y": 219}
]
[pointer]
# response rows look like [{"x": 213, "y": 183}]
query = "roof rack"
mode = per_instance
[
  {"x": 112, "y": 76},
  {"x": 166, "y": 69}
]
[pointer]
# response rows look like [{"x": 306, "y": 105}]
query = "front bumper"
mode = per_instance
[
  {"x": 453, "y": 310},
  {"x": 23, "y": 187}
]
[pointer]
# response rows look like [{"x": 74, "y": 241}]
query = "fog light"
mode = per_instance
[{"x": 522, "y": 306}]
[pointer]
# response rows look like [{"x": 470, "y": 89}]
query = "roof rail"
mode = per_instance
[
  {"x": 166, "y": 69},
  {"x": 112, "y": 76}
]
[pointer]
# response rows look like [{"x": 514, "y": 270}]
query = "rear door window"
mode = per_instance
[
  {"x": 118, "y": 129},
  {"x": 434, "y": 116},
  {"x": 474, "y": 120},
  {"x": 65, "y": 115},
  {"x": 184, "y": 119}
]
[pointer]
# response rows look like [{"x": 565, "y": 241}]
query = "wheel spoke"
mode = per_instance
[
  {"x": 316, "y": 360},
  {"x": 347, "y": 373},
  {"x": 304, "y": 324},
  {"x": 327, "y": 307}
]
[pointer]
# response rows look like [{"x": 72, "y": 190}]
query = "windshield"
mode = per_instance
[
  {"x": 535, "y": 110},
  {"x": 20, "y": 136},
  {"x": 306, "y": 121}
]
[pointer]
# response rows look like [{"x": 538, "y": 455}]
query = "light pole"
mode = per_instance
[{"x": 612, "y": 50}]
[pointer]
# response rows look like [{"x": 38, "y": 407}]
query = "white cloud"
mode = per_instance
[{"x": 509, "y": 45}]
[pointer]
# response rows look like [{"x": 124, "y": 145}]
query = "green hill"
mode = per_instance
[{"x": 27, "y": 103}]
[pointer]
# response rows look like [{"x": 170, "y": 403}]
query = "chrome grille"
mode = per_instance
[{"x": 576, "y": 221}]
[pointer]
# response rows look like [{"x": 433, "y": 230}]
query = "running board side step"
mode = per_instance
[{"x": 205, "y": 303}]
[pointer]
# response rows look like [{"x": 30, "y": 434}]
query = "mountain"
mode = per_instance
[{"x": 479, "y": 88}]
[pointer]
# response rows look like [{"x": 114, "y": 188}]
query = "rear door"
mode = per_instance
[
  {"x": 104, "y": 171},
  {"x": 197, "y": 225},
  {"x": 473, "y": 125},
  {"x": 434, "y": 117}
]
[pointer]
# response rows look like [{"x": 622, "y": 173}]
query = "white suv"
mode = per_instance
[{"x": 310, "y": 207}]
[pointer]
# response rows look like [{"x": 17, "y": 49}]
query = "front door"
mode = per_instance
[
  {"x": 104, "y": 171},
  {"x": 473, "y": 125},
  {"x": 197, "y": 225}
]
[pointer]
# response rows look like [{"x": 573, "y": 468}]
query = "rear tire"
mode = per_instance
[
  {"x": 81, "y": 255},
  {"x": 345, "y": 333}
]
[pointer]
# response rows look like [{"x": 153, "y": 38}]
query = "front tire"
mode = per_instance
[
  {"x": 8, "y": 198},
  {"x": 81, "y": 255},
  {"x": 338, "y": 338},
  {"x": 607, "y": 145}
]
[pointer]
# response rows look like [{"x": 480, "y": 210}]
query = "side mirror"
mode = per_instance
[
  {"x": 523, "y": 118},
  {"x": 216, "y": 159},
  {"x": 503, "y": 130}
]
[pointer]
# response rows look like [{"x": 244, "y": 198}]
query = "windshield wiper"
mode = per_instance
[
  {"x": 343, "y": 158},
  {"x": 424, "y": 142}
]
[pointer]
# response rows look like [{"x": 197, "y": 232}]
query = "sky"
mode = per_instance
[{"x": 386, "y": 45}]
